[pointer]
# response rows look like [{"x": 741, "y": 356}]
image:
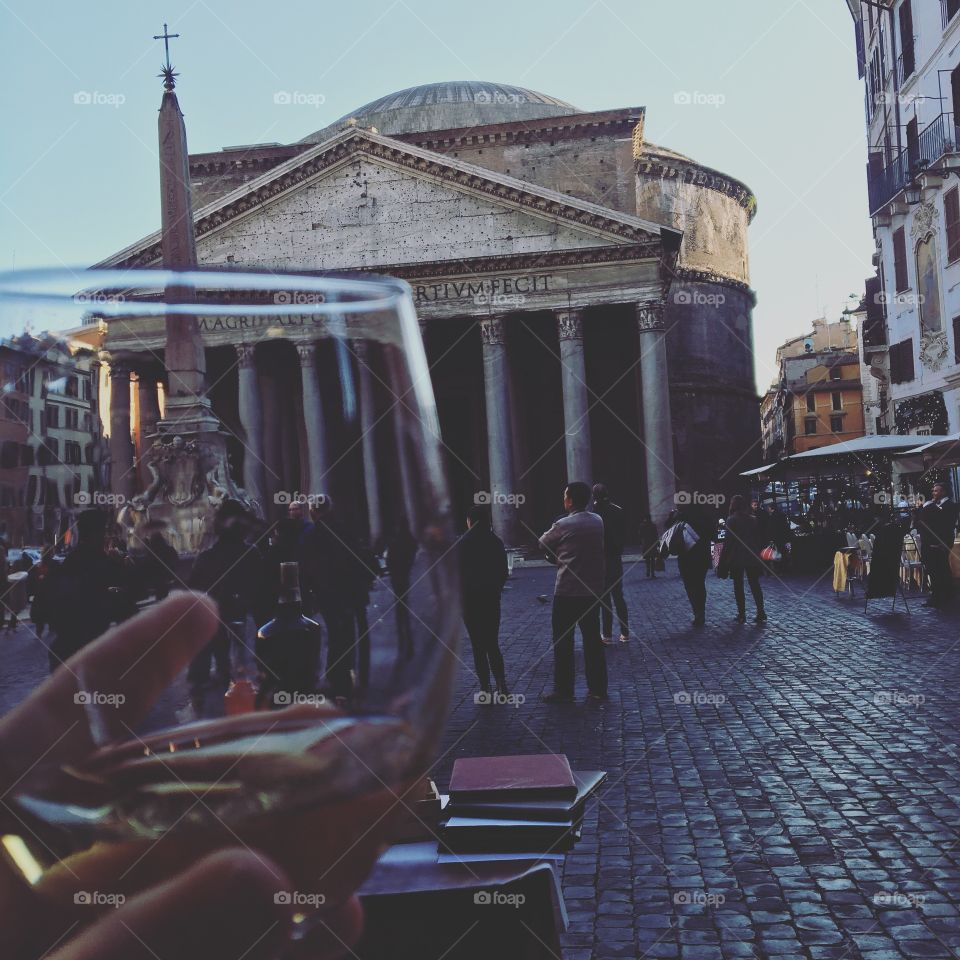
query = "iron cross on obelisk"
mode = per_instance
[{"x": 167, "y": 74}]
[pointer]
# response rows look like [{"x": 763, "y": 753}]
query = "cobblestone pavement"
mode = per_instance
[
  {"x": 780, "y": 791},
  {"x": 785, "y": 791}
]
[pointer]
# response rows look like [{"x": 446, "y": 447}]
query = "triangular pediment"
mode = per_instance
[{"x": 362, "y": 201}]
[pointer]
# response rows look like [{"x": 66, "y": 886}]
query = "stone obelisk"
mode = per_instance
[{"x": 187, "y": 456}]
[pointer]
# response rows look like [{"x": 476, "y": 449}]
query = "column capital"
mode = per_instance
[
  {"x": 650, "y": 315},
  {"x": 361, "y": 348},
  {"x": 492, "y": 330},
  {"x": 120, "y": 369},
  {"x": 245, "y": 354},
  {"x": 570, "y": 323},
  {"x": 306, "y": 350}
]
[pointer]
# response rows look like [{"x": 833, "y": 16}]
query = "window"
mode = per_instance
[
  {"x": 906, "y": 38},
  {"x": 14, "y": 409},
  {"x": 836, "y": 373},
  {"x": 900, "y": 260},
  {"x": 837, "y": 399},
  {"x": 951, "y": 213},
  {"x": 70, "y": 387},
  {"x": 956, "y": 339},
  {"x": 901, "y": 361},
  {"x": 836, "y": 424},
  {"x": 27, "y": 455},
  {"x": 71, "y": 452},
  {"x": 88, "y": 453},
  {"x": 810, "y": 426},
  {"x": 53, "y": 415},
  {"x": 72, "y": 416},
  {"x": 87, "y": 423},
  {"x": 913, "y": 144},
  {"x": 811, "y": 403},
  {"x": 950, "y": 8},
  {"x": 9, "y": 454}
]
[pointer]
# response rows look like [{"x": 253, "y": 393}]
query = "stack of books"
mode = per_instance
[{"x": 529, "y": 804}]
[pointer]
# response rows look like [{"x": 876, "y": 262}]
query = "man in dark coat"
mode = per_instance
[
  {"x": 694, "y": 562},
  {"x": 232, "y": 572},
  {"x": 937, "y": 527},
  {"x": 336, "y": 570},
  {"x": 483, "y": 572},
  {"x": 613, "y": 537},
  {"x": 83, "y": 595}
]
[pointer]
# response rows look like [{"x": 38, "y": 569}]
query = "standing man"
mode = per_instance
[
  {"x": 937, "y": 525},
  {"x": 483, "y": 572},
  {"x": 694, "y": 562},
  {"x": 575, "y": 544},
  {"x": 613, "y": 537}
]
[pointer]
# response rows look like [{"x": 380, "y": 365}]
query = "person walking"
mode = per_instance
[
  {"x": 83, "y": 595},
  {"x": 693, "y": 562},
  {"x": 483, "y": 572},
  {"x": 937, "y": 525},
  {"x": 401, "y": 553},
  {"x": 575, "y": 544},
  {"x": 335, "y": 570},
  {"x": 741, "y": 554},
  {"x": 231, "y": 571},
  {"x": 649, "y": 537},
  {"x": 613, "y": 537}
]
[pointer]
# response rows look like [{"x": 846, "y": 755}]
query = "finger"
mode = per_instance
[
  {"x": 224, "y": 908},
  {"x": 132, "y": 664}
]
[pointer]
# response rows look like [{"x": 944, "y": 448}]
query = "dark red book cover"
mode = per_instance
[{"x": 514, "y": 778}]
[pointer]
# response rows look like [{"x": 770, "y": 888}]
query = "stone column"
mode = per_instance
[
  {"x": 318, "y": 465},
  {"x": 576, "y": 409},
  {"x": 368, "y": 422},
  {"x": 121, "y": 443},
  {"x": 657, "y": 423},
  {"x": 496, "y": 386},
  {"x": 148, "y": 402},
  {"x": 251, "y": 422}
]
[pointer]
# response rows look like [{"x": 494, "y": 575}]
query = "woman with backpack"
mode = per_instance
[{"x": 742, "y": 546}]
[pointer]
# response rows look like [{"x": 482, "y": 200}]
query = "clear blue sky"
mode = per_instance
[{"x": 78, "y": 181}]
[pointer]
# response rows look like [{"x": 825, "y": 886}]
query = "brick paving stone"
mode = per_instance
[
  {"x": 780, "y": 791},
  {"x": 803, "y": 776}
]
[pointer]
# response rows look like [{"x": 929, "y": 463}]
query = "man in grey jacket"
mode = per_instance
[{"x": 575, "y": 544}]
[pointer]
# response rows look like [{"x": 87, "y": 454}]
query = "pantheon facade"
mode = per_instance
[{"x": 583, "y": 295}]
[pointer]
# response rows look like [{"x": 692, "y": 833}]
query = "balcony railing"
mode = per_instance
[
  {"x": 935, "y": 141},
  {"x": 948, "y": 10}
]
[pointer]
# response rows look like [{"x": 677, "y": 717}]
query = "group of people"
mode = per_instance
[{"x": 586, "y": 544}]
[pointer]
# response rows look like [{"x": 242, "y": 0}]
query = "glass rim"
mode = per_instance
[{"x": 115, "y": 292}]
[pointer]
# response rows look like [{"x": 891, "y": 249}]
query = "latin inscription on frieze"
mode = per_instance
[{"x": 483, "y": 291}]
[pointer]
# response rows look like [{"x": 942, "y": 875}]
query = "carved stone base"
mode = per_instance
[{"x": 190, "y": 479}]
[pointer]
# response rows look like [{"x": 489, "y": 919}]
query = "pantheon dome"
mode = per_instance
[
  {"x": 448, "y": 105},
  {"x": 528, "y": 229}
]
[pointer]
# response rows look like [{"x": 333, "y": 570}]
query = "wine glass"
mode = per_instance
[{"x": 316, "y": 392}]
